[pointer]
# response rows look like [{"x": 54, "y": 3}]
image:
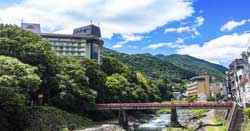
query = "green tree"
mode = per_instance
[
  {"x": 73, "y": 92},
  {"x": 17, "y": 82},
  {"x": 29, "y": 48},
  {"x": 97, "y": 78},
  {"x": 119, "y": 88},
  {"x": 111, "y": 66}
]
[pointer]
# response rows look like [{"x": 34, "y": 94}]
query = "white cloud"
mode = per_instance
[
  {"x": 158, "y": 45},
  {"x": 132, "y": 46},
  {"x": 220, "y": 50},
  {"x": 115, "y": 16},
  {"x": 119, "y": 44},
  {"x": 127, "y": 38},
  {"x": 170, "y": 30},
  {"x": 230, "y": 25},
  {"x": 179, "y": 41},
  {"x": 163, "y": 44},
  {"x": 193, "y": 28},
  {"x": 178, "y": 30},
  {"x": 199, "y": 21},
  {"x": 132, "y": 37}
]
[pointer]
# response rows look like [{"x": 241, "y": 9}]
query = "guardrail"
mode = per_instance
[{"x": 133, "y": 106}]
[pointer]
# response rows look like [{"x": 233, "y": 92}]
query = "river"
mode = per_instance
[{"x": 157, "y": 123}]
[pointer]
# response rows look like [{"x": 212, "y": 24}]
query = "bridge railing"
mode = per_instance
[{"x": 164, "y": 105}]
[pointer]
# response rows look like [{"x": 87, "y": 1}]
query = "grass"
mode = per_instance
[
  {"x": 199, "y": 113},
  {"x": 178, "y": 129},
  {"x": 163, "y": 111},
  {"x": 51, "y": 118},
  {"x": 218, "y": 128},
  {"x": 217, "y": 120},
  {"x": 245, "y": 126}
]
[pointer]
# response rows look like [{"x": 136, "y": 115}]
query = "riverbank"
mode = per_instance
[
  {"x": 104, "y": 127},
  {"x": 197, "y": 120},
  {"x": 134, "y": 120}
]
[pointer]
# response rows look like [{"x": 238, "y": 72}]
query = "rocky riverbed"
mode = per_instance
[
  {"x": 104, "y": 127},
  {"x": 149, "y": 122}
]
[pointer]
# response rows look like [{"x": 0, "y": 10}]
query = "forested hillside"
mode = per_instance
[
  {"x": 151, "y": 66},
  {"x": 198, "y": 66},
  {"x": 34, "y": 79},
  {"x": 175, "y": 67}
]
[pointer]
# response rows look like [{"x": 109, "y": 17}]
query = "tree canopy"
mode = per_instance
[{"x": 17, "y": 81}]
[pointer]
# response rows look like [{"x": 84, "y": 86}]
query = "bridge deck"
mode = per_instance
[{"x": 143, "y": 106}]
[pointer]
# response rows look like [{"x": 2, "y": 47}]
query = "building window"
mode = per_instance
[{"x": 94, "y": 51}]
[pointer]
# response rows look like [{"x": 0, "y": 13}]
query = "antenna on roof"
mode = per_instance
[
  {"x": 91, "y": 21},
  {"x": 98, "y": 24}
]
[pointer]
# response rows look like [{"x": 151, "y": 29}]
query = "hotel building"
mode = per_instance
[
  {"x": 83, "y": 42},
  {"x": 199, "y": 87},
  {"x": 204, "y": 87}
]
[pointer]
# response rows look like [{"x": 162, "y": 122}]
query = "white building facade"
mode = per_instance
[
  {"x": 238, "y": 80},
  {"x": 84, "y": 42}
]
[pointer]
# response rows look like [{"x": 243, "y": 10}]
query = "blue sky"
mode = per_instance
[{"x": 213, "y": 30}]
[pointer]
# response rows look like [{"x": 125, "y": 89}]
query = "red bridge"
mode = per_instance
[
  {"x": 123, "y": 117},
  {"x": 148, "y": 106}
]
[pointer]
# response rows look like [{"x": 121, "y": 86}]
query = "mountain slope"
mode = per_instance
[
  {"x": 173, "y": 67},
  {"x": 150, "y": 65},
  {"x": 198, "y": 66}
]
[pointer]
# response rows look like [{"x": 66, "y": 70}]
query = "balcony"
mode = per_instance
[
  {"x": 192, "y": 88},
  {"x": 191, "y": 84}
]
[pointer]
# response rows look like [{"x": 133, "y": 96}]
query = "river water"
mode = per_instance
[{"x": 157, "y": 123}]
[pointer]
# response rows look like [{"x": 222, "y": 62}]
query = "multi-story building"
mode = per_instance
[
  {"x": 238, "y": 80},
  {"x": 204, "y": 87},
  {"x": 85, "y": 41},
  {"x": 199, "y": 87}
]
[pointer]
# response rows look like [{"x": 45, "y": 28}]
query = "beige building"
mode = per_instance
[
  {"x": 199, "y": 86},
  {"x": 205, "y": 87}
]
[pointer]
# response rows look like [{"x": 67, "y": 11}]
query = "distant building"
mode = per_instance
[
  {"x": 85, "y": 41},
  {"x": 238, "y": 83},
  {"x": 204, "y": 87},
  {"x": 199, "y": 87},
  {"x": 216, "y": 89}
]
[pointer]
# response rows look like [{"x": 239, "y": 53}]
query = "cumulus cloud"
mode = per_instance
[
  {"x": 178, "y": 30},
  {"x": 179, "y": 41},
  {"x": 193, "y": 28},
  {"x": 163, "y": 44},
  {"x": 220, "y": 50},
  {"x": 158, "y": 45},
  {"x": 199, "y": 21},
  {"x": 127, "y": 38},
  {"x": 115, "y": 16},
  {"x": 230, "y": 25}
]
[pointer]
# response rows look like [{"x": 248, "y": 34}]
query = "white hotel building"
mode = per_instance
[{"x": 84, "y": 42}]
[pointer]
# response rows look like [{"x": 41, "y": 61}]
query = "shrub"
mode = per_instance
[
  {"x": 192, "y": 99},
  {"x": 163, "y": 111},
  {"x": 50, "y": 118},
  {"x": 199, "y": 113},
  {"x": 41, "y": 118},
  {"x": 246, "y": 112},
  {"x": 212, "y": 99}
]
